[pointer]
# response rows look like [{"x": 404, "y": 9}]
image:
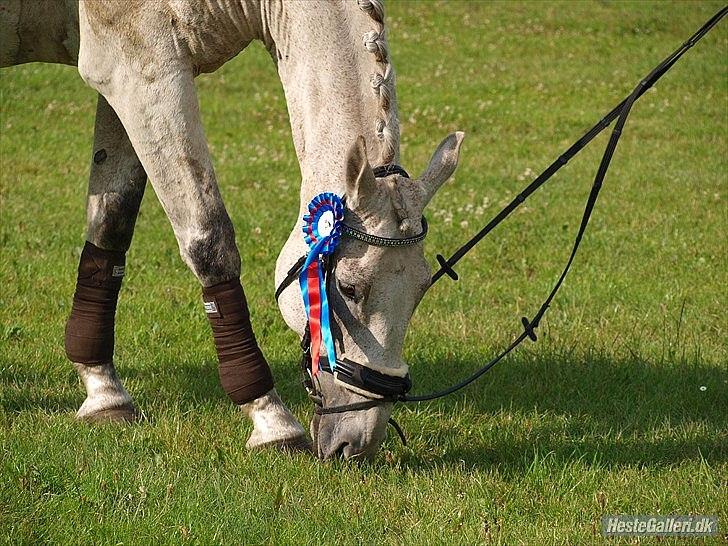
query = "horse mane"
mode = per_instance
[{"x": 382, "y": 81}]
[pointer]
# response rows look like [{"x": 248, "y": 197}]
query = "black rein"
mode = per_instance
[
  {"x": 620, "y": 113},
  {"x": 392, "y": 389}
]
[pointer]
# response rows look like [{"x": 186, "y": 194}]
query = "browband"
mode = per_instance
[
  {"x": 376, "y": 240},
  {"x": 380, "y": 171}
]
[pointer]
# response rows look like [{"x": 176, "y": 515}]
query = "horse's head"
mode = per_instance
[{"x": 373, "y": 292}]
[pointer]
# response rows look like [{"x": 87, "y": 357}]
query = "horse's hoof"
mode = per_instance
[
  {"x": 120, "y": 414},
  {"x": 295, "y": 444}
]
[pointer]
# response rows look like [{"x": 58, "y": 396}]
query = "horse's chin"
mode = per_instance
[
  {"x": 349, "y": 437},
  {"x": 353, "y": 435}
]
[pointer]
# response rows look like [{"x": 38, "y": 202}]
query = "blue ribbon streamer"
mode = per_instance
[{"x": 321, "y": 244}]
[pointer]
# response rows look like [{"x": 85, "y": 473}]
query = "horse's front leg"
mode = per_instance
[
  {"x": 116, "y": 188},
  {"x": 157, "y": 105}
]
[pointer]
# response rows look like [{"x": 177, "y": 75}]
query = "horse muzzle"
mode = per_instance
[{"x": 348, "y": 434}]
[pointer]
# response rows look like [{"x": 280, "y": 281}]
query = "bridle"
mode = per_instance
[{"x": 381, "y": 388}]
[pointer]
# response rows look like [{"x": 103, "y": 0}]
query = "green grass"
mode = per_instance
[{"x": 606, "y": 414}]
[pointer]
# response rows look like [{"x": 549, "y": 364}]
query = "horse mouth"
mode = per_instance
[{"x": 337, "y": 437}]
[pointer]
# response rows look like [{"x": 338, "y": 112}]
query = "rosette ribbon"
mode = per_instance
[{"x": 322, "y": 232}]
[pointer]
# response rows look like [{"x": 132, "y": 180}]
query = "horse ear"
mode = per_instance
[
  {"x": 360, "y": 181},
  {"x": 442, "y": 165}
]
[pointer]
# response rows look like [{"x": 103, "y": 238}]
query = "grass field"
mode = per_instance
[{"x": 621, "y": 407}]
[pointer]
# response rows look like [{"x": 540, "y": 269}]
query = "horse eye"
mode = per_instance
[{"x": 348, "y": 291}]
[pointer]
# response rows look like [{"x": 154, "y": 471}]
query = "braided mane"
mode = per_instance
[{"x": 382, "y": 81}]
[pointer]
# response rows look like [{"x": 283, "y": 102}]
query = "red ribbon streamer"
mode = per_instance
[{"x": 314, "y": 300}]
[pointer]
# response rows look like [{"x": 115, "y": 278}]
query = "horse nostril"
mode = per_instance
[{"x": 343, "y": 451}]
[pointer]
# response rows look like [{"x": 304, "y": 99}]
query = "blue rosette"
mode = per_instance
[{"x": 322, "y": 227}]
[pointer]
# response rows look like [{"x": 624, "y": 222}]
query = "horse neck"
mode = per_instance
[{"x": 338, "y": 85}]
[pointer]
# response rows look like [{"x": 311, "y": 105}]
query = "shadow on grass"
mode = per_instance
[
  {"x": 595, "y": 410},
  {"x": 27, "y": 389},
  {"x": 189, "y": 385},
  {"x": 186, "y": 385}
]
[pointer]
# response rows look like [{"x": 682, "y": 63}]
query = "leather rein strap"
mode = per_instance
[
  {"x": 446, "y": 266},
  {"x": 620, "y": 113},
  {"x": 392, "y": 389}
]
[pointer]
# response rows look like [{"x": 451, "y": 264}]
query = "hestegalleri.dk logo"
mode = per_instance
[{"x": 675, "y": 526}]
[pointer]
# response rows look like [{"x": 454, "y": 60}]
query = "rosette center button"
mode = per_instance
[{"x": 326, "y": 223}]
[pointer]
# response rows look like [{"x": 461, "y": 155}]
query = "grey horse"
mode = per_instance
[{"x": 339, "y": 83}]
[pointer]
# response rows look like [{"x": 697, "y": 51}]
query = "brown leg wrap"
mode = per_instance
[
  {"x": 244, "y": 372},
  {"x": 90, "y": 328}
]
